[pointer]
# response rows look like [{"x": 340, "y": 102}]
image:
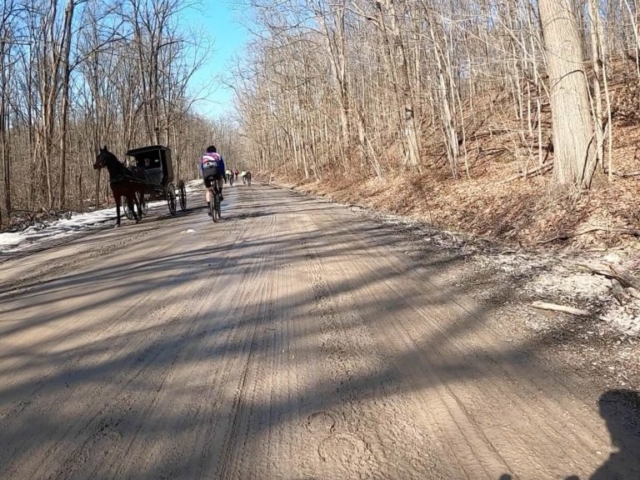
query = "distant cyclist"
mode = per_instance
[{"x": 212, "y": 168}]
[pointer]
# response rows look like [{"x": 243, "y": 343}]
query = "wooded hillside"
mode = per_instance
[{"x": 455, "y": 95}]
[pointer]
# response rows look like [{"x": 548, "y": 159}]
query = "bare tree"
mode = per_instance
[
  {"x": 70, "y": 79},
  {"x": 6, "y": 67},
  {"x": 572, "y": 131}
]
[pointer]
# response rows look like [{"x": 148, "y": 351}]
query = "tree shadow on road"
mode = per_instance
[{"x": 374, "y": 325}]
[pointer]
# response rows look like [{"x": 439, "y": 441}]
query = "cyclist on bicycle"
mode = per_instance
[{"x": 212, "y": 169}]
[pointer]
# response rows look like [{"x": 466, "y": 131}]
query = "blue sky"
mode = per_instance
[{"x": 217, "y": 18}]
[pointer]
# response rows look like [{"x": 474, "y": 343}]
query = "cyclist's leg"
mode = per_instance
[
  {"x": 207, "y": 191},
  {"x": 220, "y": 183}
]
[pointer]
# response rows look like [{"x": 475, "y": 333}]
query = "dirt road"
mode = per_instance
[{"x": 290, "y": 341}]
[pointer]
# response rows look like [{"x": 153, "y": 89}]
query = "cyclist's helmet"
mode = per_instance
[{"x": 211, "y": 149}]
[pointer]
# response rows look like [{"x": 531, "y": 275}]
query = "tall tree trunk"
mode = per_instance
[
  {"x": 411, "y": 130},
  {"x": 68, "y": 18},
  {"x": 5, "y": 207},
  {"x": 572, "y": 132}
]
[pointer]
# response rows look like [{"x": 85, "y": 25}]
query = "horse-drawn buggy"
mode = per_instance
[
  {"x": 150, "y": 177},
  {"x": 155, "y": 162}
]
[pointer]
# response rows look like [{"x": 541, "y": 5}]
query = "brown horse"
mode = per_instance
[{"x": 124, "y": 183}]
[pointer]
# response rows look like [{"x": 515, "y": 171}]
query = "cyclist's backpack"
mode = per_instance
[{"x": 210, "y": 163}]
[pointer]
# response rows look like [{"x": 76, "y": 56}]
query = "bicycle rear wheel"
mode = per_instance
[
  {"x": 218, "y": 207},
  {"x": 212, "y": 207}
]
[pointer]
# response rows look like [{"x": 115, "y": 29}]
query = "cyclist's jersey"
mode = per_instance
[{"x": 211, "y": 164}]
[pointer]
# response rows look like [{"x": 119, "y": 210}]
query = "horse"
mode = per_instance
[{"x": 124, "y": 183}]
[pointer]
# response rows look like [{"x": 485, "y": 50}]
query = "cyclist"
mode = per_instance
[{"x": 212, "y": 168}]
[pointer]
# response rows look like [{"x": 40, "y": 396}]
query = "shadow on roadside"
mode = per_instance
[{"x": 620, "y": 409}]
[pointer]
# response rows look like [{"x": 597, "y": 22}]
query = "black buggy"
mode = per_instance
[{"x": 155, "y": 162}]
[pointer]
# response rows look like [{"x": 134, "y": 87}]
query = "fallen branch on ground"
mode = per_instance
[
  {"x": 560, "y": 308},
  {"x": 531, "y": 173},
  {"x": 625, "y": 278},
  {"x": 623, "y": 174},
  {"x": 618, "y": 292},
  {"x": 568, "y": 235}
]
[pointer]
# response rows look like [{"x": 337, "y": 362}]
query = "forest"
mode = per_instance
[
  {"x": 80, "y": 74},
  {"x": 455, "y": 106},
  {"x": 484, "y": 115}
]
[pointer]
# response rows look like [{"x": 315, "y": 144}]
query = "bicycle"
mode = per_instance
[{"x": 215, "y": 209}]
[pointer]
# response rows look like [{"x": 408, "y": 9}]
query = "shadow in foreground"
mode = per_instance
[{"x": 620, "y": 409}]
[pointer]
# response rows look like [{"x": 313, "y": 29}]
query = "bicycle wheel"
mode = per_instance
[
  {"x": 212, "y": 208},
  {"x": 217, "y": 210}
]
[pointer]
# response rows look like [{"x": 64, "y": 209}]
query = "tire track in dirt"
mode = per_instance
[
  {"x": 380, "y": 441},
  {"x": 459, "y": 407},
  {"x": 118, "y": 291},
  {"x": 152, "y": 314},
  {"x": 166, "y": 461}
]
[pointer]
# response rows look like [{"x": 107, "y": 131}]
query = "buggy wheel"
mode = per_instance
[
  {"x": 144, "y": 203},
  {"x": 171, "y": 199},
  {"x": 125, "y": 206},
  {"x": 182, "y": 195}
]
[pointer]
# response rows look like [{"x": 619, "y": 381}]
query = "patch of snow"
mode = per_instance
[
  {"x": 547, "y": 278},
  {"x": 612, "y": 258},
  {"x": 194, "y": 186},
  {"x": 191, "y": 230},
  {"x": 11, "y": 242},
  {"x": 570, "y": 285},
  {"x": 17, "y": 241},
  {"x": 8, "y": 240},
  {"x": 623, "y": 319}
]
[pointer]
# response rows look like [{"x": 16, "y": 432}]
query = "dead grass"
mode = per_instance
[{"x": 525, "y": 212}]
